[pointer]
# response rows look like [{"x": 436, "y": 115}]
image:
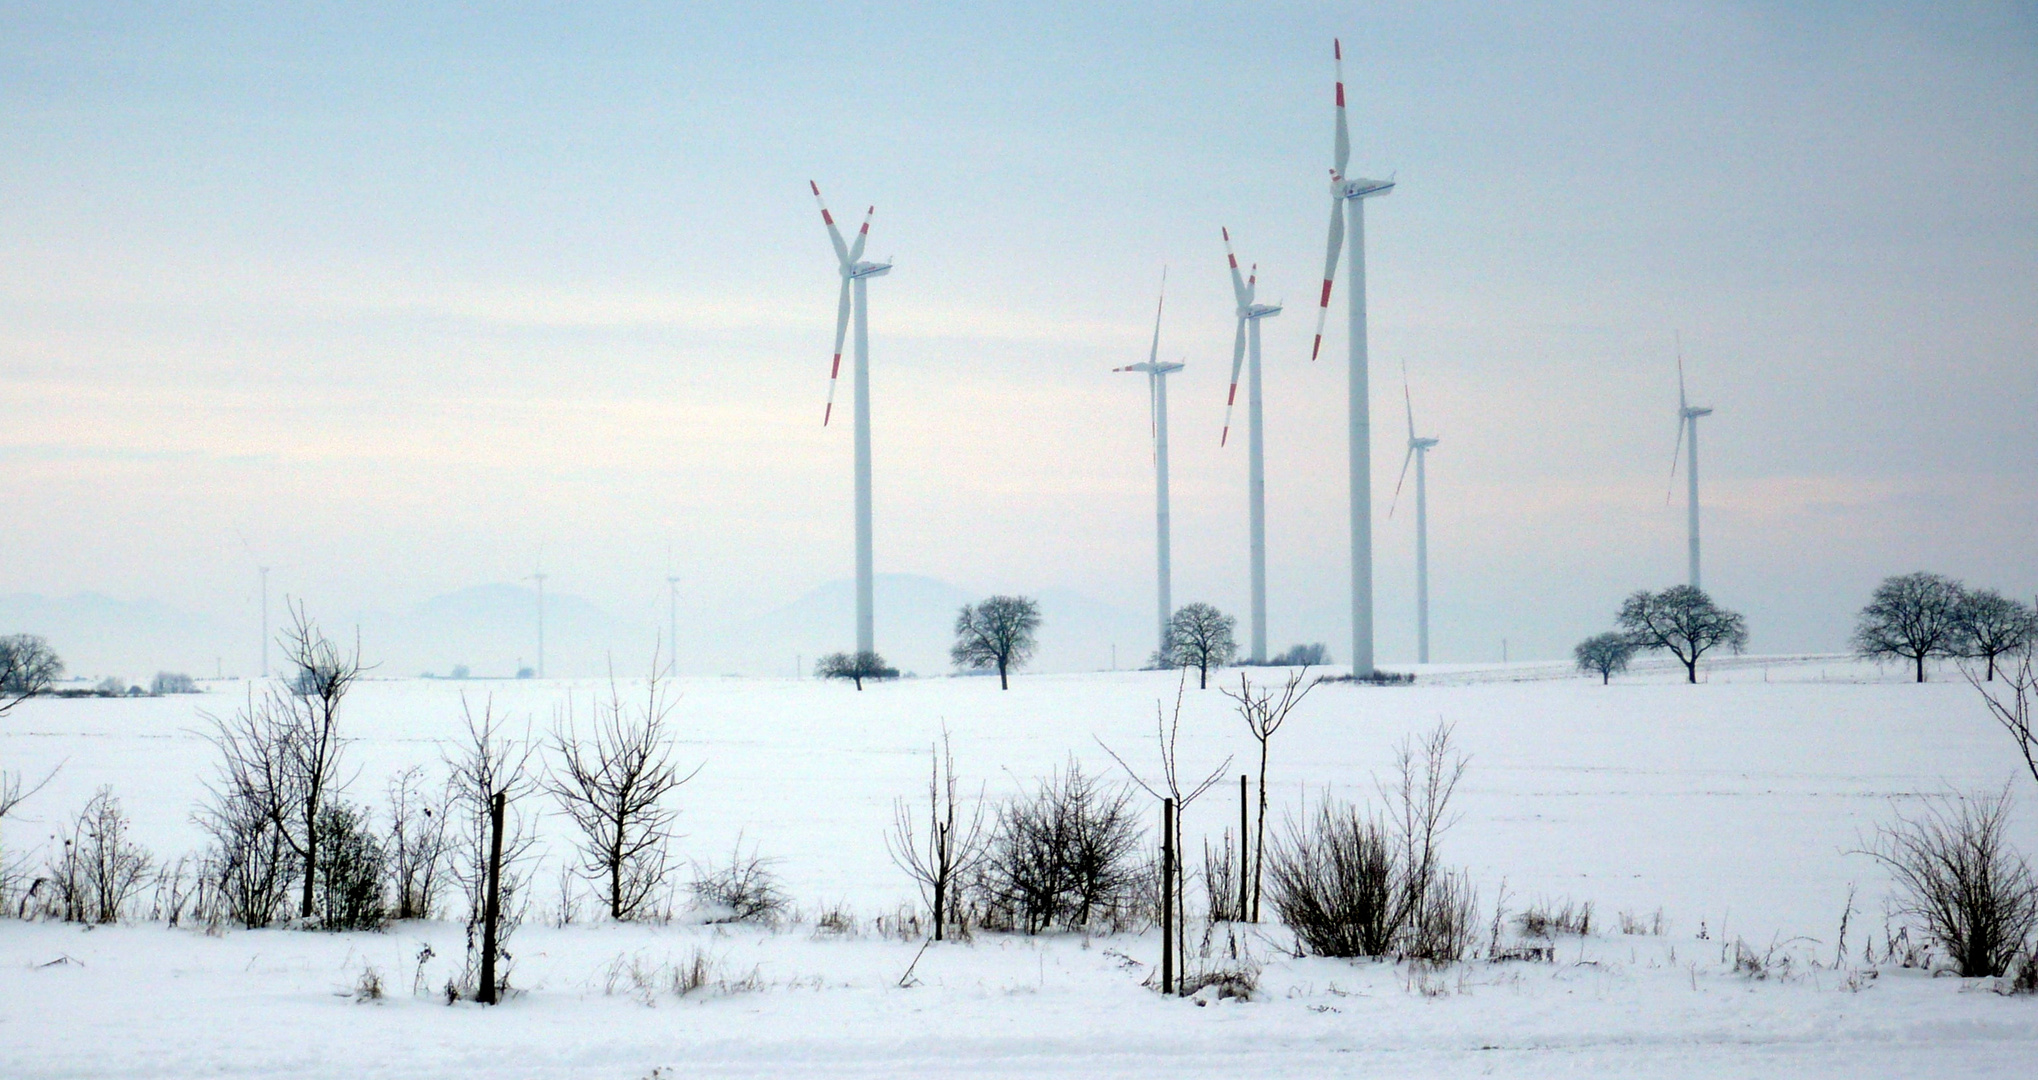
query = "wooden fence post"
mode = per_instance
[
  {"x": 1245, "y": 855},
  {"x": 491, "y": 910},
  {"x": 1167, "y": 896}
]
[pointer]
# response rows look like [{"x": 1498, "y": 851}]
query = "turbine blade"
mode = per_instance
[
  {"x": 1237, "y": 282},
  {"x": 841, "y": 331},
  {"x": 1153, "y": 354},
  {"x": 1343, "y": 153},
  {"x": 1336, "y": 248},
  {"x": 1408, "y": 401},
  {"x": 863, "y": 234},
  {"x": 834, "y": 234},
  {"x": 1676, "y": 452},
  {"x": 1399, "y": 480},
  {"x": 1237, "y": 358},
  {"x": 1682, "y": 404}
]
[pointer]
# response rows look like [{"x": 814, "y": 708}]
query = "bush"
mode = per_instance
[
  {"x": 353, "y": 868},
  {"x": 1959, "y": 879},
  {"x": 745, "y": 890},
  {"x": 1064, "y": 858},
  {"x": 1315, "y": 655},
  {"x": 96, "y": 869},
  {"x": 1332, "y": 881}
]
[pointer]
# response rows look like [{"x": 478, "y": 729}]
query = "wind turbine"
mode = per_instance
[
  {"x": 265, "y": 619},
  {"x": 1157, "y": 395},
  {"x": 1247, "y": 343},
  {"x": 1352, "y": 227},
  {"x": 672, "y": 614},
  {"x": 539, "y": 577},
  {"x": 1687, "y": 417},
  {"x": 855, "y": 272},
  {"x": 1418, "y": 451}
]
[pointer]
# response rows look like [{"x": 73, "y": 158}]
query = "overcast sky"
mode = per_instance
[{"x": 411, "y": 299}]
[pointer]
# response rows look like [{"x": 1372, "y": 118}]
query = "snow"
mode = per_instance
[{"x": 1738, "y": 805}]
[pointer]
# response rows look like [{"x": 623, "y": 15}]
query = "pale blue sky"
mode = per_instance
[{"x": 407, "y": 296}]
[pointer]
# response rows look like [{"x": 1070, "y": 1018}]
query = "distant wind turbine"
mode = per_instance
[
  {"x": 1352, "y": 228},
  {"x": 1157, "y": 397},
  {"x": 1687, "y": 417},
  {"x": 672, "y": 615},
  {"x": 539, "y": 577},
  {"x": 1418, "y": 451},
  {"x": 1246, "y": 343},
  {"x": 855, "y": 272}
]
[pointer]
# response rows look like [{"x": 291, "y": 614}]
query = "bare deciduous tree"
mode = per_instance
[
  {"x": 486, "y": 764},
  {"x": 1264, "y": 713},
  {"x": 1913, "y": 617},
  {"x": 1684, "y": 622},
  {"x": 856, "y": 667},
  {"x": 1605, "y": 655},
  {"x": 613, "y": 787},
  {"x": 417, "y": 845},
  {"x": 1200, "y": 637},
  {"x": 27, "y": 667},
  {"x": 951, "y": 849},
  {"x": 14, "y": 789},
  {"x": 1167, "y": 733},
  {"x": 96, "y": 868},
  {"x": 1991, "y": 625},
  {"x": 997, "y": 633},
  {"x": 2012, "y": 709}
]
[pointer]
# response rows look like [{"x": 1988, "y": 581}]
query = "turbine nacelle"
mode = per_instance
[
  {"x": 866, "y": 270},
  {"x": 1260, "y": 311},
  {"x": 1358, "y": 187},
  {"x": 1167, "y": 367},
  {"x": 1693, "y": 412},
  {"x": 1426, "y": 443}
]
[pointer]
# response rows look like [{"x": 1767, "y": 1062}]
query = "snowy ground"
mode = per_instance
[{"x": 1735, "y": 806}]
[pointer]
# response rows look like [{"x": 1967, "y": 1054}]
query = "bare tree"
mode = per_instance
[
  {"x": 27, "y": 667},
  {"x": 997, "y": 633},
  {"x": 1684, "y": 622},
  {"x": 1992, "y": 624},
  {"x": 486, "y": 765},
  {"x": 1167, "y": 733},
  {"x": 2012, "y": 709},
  {"x": 613, "y": 787},
  {"x": 1605, "y": 655},
  {"x": 1913, "y": 617},
  {"x": 1264, "y": 713},
  {"x": 308, "y": 739},
  {"x": 856, "y": 667},
  {"x": 1428, "y": 774},
  {"x": 14, "y": 789},
  {"x": 417, "y": 845},
  {"x": 952, "y": 848},
  {"x": 1200, "y": 636}
]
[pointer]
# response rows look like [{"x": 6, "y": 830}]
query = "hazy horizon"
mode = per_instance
[{"x": 405, "y": 301}]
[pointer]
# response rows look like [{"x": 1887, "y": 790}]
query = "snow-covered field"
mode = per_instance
[{"x": 1735, "y": 807}]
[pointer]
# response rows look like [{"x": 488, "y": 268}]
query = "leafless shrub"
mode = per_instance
[
  {"x": 1555, "y": 918},
  {"x": 835, "y": 921},
  {"x": 743, "y": 890},
  {"x": 1333, "y": 882},
  {"x": 1351, "y": 884},
  {"x": 417, "y": 847},
  {"x": 369, "y": 986},
  {"x": 353, "y": 869},
  {"x": 1957, "y": 876},
  {"x": 175, "y": 886},
  {"x": 97, "y": 870},
  {"x": 2012, "y": 708},
  {"x": 2023, "y": 976},
  {"x": 1633, "y": 924},
  {"x": 1221, "y": 881},
  {"x": 1064, "y": 857},
  {"x": 951, "y": 849}
]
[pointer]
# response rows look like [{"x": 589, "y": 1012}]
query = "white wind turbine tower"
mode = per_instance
[
  {"x": 1352, "y": 228},
  {"x": 855, "y": 272},
  {"x": 1418, "y": 451},
  {"x": 1246, "y": 343},
  {"x": 539, "y": 577},
  {"x": 1157, "y": 374},
  {"x": 1687, "y": 417}
]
